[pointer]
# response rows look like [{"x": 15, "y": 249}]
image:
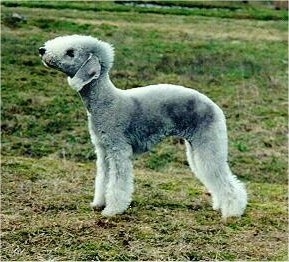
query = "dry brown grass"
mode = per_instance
[{"x": 46, "y": 216}]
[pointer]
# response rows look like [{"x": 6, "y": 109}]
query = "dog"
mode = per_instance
[{"x": 124, "y": 122}]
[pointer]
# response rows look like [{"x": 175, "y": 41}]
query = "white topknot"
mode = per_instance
[{"x": 103, "y": 50}]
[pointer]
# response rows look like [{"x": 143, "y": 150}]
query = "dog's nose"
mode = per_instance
[{"x": 42, "y": 50}]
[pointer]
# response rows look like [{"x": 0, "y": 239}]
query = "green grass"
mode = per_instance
[
  {"x": 221, "y": 9},
  {"x": 48, "y": 160}
]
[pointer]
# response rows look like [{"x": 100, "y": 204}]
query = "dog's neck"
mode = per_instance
[{"x": 99, "y": 93}]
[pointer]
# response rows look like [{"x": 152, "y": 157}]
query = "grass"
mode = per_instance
[
  {"x": 221, "y": 9},
  {"x": 170, "y": 218},
  {"x": 47, "y": 158}
]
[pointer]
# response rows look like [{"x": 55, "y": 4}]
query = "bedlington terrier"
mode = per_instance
[{"x": 124, "y": 122}]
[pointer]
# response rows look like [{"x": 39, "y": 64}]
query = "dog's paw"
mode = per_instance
[
  {"x": 216, "y": 204},
  {"x": 97, "y": 205},
  {"x": 108, "y": 212},
  {"x": 233, "y": 208}
]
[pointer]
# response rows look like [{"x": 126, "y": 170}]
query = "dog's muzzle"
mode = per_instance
[{"x": 41, "y": 51}]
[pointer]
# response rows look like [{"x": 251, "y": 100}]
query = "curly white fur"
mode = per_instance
[{"x": 133, "y": 121}]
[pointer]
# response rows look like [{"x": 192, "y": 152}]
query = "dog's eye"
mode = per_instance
[{"x": 70, "y": 52}]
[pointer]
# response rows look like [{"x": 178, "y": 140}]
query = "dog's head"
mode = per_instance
[{"x": 81, "y": 58}]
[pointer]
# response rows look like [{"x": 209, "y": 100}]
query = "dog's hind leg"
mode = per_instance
[
  {"x": 190, "y": 157},
  {"x": 120, "y": 186},
  {"x": 208, "y": 154},
  {"x": 192, "y": 164}
]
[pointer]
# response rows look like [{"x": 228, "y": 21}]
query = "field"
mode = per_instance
[{"x": 233, "y": 53}]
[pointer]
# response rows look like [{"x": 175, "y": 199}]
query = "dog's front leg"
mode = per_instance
[
  {"x": 101, "y": 179},
  {"x": 120, "y": 185}
]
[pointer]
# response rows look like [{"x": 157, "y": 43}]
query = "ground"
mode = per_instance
[{"x": 235, "y": 54}]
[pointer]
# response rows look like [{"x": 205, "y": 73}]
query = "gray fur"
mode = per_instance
[{"x": 133, "y": 121}]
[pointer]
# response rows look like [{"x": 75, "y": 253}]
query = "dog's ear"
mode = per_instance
[{"x": 89, "y": 70}]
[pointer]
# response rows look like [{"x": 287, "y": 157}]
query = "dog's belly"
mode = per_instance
[
  {"x": 154, "y": 119},
  {"x": 142, "y": 134}
]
